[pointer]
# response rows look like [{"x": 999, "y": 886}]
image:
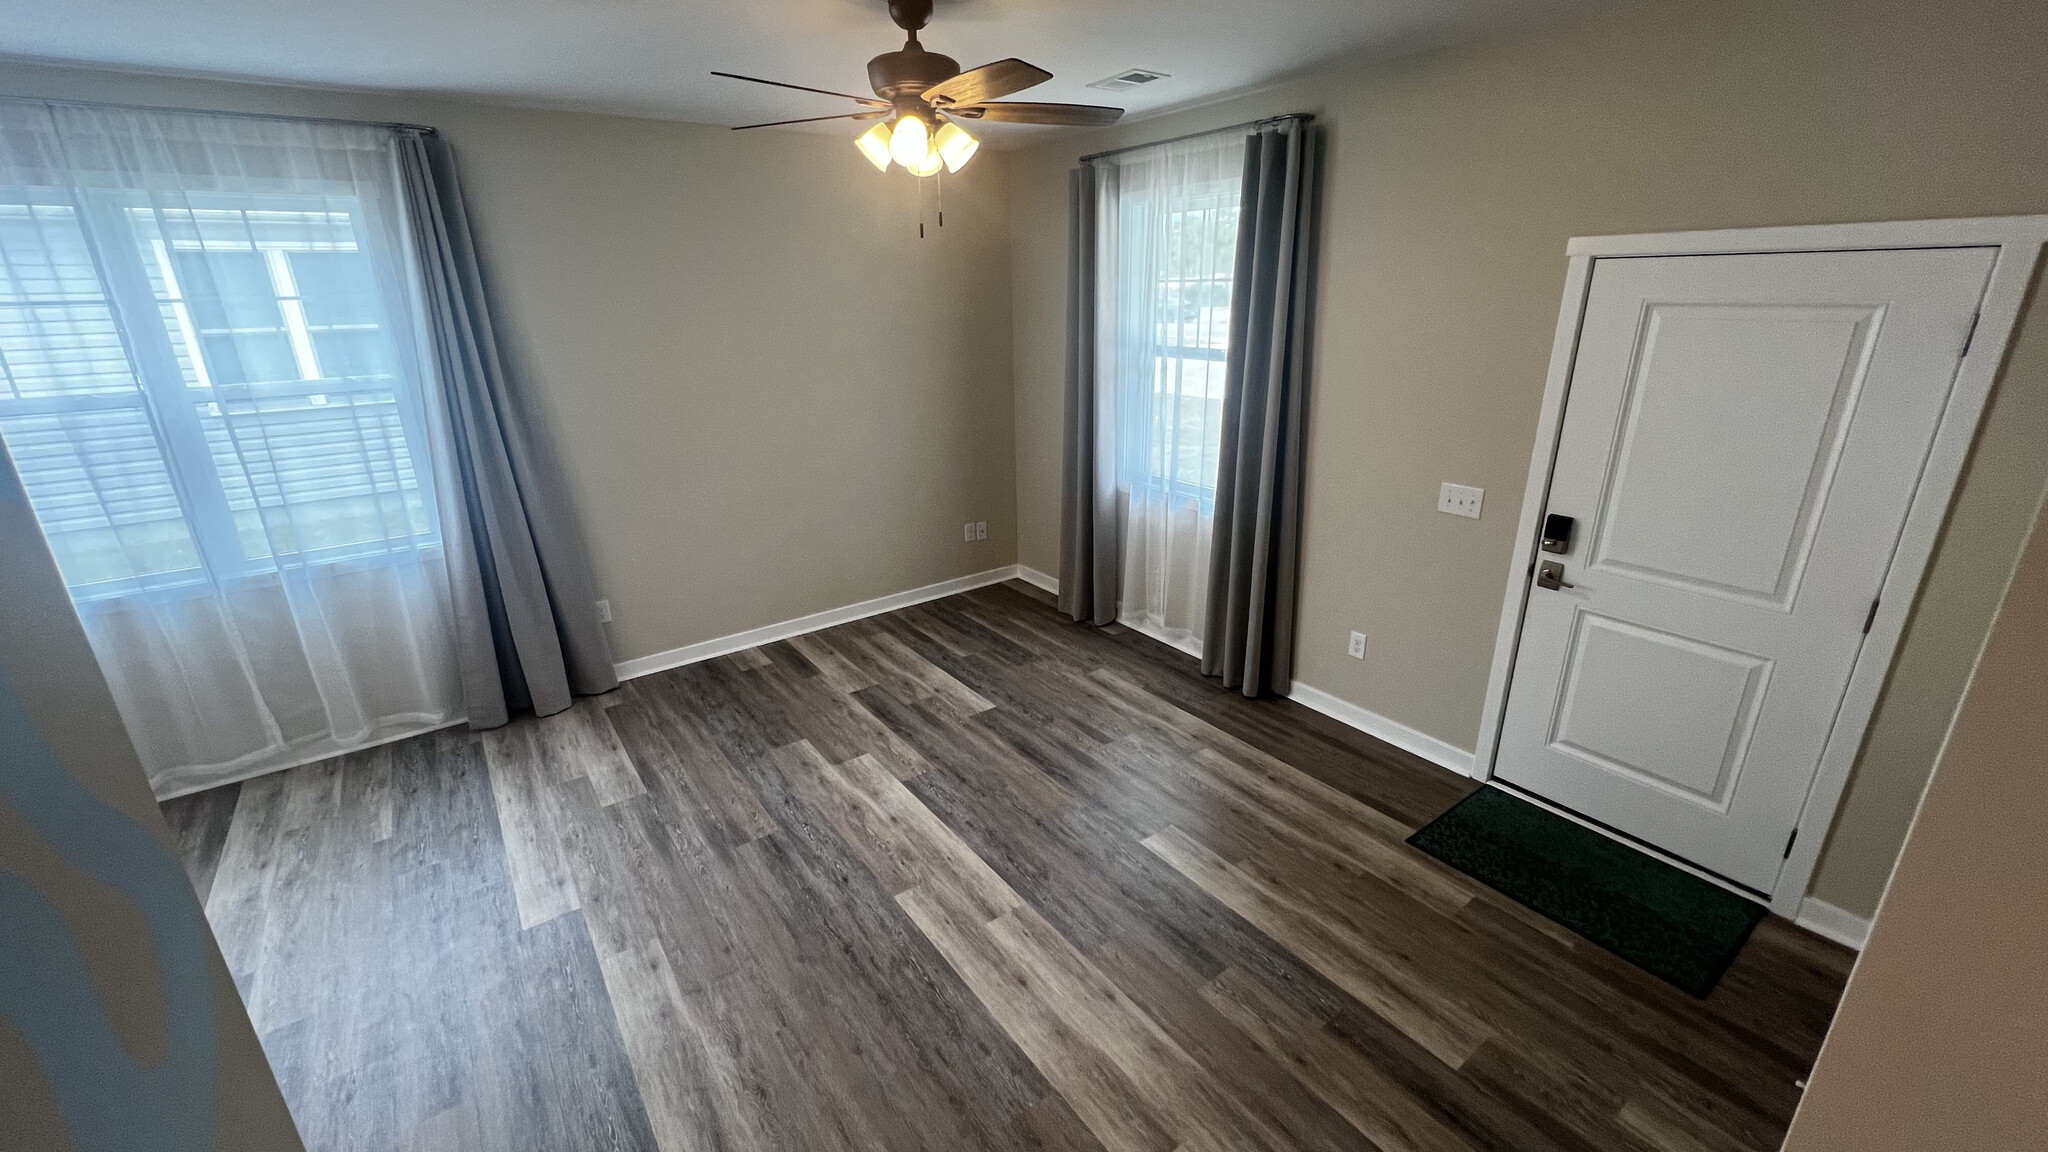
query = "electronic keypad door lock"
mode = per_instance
[
  {"x": 1557, "y": 533},
  {"x": 1550, "y": 574}
]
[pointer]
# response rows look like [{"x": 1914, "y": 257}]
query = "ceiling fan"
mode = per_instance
[{"x": 920, "y": 96}]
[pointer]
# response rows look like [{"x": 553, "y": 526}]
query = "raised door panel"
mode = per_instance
[
  {"x": 1729, "y": 435},
  {"x": 1618, "y": 711}
]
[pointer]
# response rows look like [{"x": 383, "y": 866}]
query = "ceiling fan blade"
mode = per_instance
[
  {"x": 868, "y": 100},
  {"x": 1021, "y": 112},
  {"x": 870, "y": 114},
  {"x": 986, "y": 83}
]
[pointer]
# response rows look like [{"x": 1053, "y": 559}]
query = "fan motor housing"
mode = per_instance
[{"x": 910, "y": 71}]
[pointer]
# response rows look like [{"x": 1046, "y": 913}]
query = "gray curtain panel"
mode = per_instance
[
  {"x": 1248, "y": 634},
  {"x": 525, "y": 607},
  {"x": 1088, "y": 524}
]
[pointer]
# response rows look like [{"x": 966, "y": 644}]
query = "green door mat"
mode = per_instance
[{"x": 1664, "y": 920}]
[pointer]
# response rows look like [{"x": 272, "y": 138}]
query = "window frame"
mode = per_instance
[
  {"x": 1217, "y": 195},
  {"x": 172, "y": 402}
]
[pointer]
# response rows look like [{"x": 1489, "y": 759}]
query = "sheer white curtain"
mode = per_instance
[
  {"x": 1167, "y": 242},
  {"x": 210, "y": 386}
]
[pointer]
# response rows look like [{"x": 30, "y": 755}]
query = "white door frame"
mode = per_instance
[{"x": 2019, "y": 240}]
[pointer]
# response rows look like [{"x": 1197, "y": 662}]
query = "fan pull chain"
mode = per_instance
[
  {"x": 942, "y": 197},
  {"x": 920, "y": 209}
]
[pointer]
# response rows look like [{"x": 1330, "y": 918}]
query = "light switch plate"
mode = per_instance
[{"x": 1459, "y": 500}]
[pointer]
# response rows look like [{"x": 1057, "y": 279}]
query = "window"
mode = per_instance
[
  {"x": 1174, "y": 250},
  {"x": 1167, "y": 249},
  {"x": 203, "y": 384},
  {"x": 211, "y": 388},
  {"x": 1190, "y": 332}
]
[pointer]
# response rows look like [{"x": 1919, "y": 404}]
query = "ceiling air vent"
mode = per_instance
[{"x": 1128, "y": 78}]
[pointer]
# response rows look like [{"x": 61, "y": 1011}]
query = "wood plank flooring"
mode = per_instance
[{"x": 964, "y": 876}]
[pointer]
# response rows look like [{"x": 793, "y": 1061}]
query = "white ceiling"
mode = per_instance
[{"x": 653, "y": 57}]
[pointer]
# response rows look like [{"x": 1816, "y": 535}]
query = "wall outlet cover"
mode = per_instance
[
  {"x": 1459, "y": 500},
  {"x": 1356, "y": 649},
  {"x": 981, "y": 529},
  {"x": 604, "y": 611}
]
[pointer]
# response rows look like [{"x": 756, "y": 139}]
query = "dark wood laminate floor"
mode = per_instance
[{"x": 964, "y": 876}]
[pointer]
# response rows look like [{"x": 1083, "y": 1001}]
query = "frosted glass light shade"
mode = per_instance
[
  {"x": 955, "y": 146},
  {"x": 874, "y": 144},
  {"x": 930, "y": 167},
  {"x": 911, "y": 142}
]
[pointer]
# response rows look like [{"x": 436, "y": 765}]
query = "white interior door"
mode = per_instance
[{"x": 1741, "y": 441}]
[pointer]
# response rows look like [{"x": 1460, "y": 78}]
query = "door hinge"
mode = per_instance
[
  {"x": 1971, "y": 335},
  {"x": 1789, "y": 841},
  {"x": 1870, "y": 617}
]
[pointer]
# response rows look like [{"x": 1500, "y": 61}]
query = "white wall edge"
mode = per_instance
[
  {"x": 1824, "y": 919},
  {"x": 831, "y": 617},
  {"x": 1439, "y": 752},
  {"x": 1034, "y": 576}
]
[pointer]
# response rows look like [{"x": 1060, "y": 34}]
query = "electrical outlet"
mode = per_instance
[
  {"x": 981, "y": 529},
  {"x": 604, "y": 611},
  {"x": 1356, "y": 649},
  {"x": 967, "y": 531},
  {"x": 1458, "y": 500}
]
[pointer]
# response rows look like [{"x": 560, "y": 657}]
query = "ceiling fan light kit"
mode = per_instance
[
  {"x": 920, "y": 96},
  {"x": 874, "y": 144},
  {"x": 911, "y": 142},
  {"x": 954, "y": 146}
]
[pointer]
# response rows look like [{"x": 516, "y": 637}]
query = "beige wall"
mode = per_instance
[
  {"x": 770, "y": 398},
  {"x": 1454, "y": 180},
  {"x": 1942, "y": 1038},
  {"x": 47, "y": 845}
]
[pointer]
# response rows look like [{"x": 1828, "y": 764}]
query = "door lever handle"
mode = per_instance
[{"x": 1550, "y": 574}]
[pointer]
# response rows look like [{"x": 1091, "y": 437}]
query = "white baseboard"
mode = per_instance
[
  {"x": 1034, "y": 576},
  {"x": 831, "y": 617},
  {"x": 1439, "y": 752},
  {"x": 1824, "y": 919},
  {"x": 1187, "y": 645}
]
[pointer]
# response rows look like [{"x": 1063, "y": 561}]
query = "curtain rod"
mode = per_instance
[
  {"x": 393, "y": 124},
  {"x": 1244, "y": 127}
]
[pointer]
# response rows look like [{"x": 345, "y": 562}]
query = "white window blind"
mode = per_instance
[{"x": 248, "y": 411}]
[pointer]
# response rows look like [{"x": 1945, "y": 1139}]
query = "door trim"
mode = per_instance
[{"x": 2019, "y": 240}]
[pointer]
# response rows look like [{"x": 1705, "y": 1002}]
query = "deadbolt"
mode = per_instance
[
  {"x": 1557, "y": 533},
  {"x": 1550, "y": 574}
]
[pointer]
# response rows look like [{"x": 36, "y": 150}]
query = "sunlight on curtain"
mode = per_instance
[
  {"x": 1168, "y": 241},
  {"x": 209, "y": 385}
]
